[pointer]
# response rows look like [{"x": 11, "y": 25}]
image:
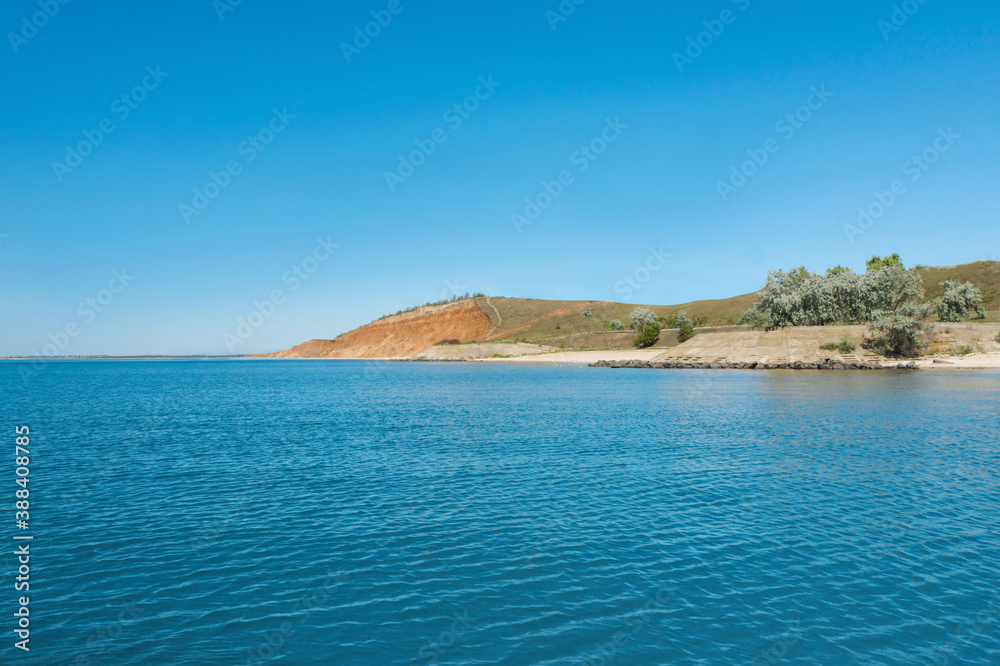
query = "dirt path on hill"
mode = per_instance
[{"x": 499, "y": 318}]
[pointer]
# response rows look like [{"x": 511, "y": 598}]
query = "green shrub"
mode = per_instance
[
  {"x": 844, "y": 347},
  {"x": 898, "y": 334},
  {"x": 685, "y": 325},
  {"x": 616, "y": 325},
  {"x": 964, "y": 350},
  {"x": 958, "y": 301},
  {"x": 980, "y": 312},
  {"x": 587, "y": 312},
  {"x": 647, "y": 335},
  {"x": 685, "y": 332},
  {"x": 877, "y": 263},
  {"x": 753, "y": 318},
  {"x": 641, "y": 317},
  {"x": 675, "y": 320}
]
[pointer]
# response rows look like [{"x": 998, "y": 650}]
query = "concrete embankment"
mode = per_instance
[
  {"x": 801, "y": 348},
  {"x": 829, "y": 364}
]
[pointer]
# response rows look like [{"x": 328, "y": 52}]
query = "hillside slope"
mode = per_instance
[
  {"x": 561, "y": 321},
  {"x": 492, "y": 319},
  {"x": 984, "y": 274},
  {"x": 559, "y": 324},
  {"x": 400, "y": 336}
]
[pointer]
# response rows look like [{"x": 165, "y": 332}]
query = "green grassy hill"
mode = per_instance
[
  {"x": 559, "y": 323},
  {"x": 984, "y": 274},
  {"x": 555, "y": 322}
]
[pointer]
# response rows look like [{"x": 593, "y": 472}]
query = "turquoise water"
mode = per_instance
[{"x": 235, "y": 512}]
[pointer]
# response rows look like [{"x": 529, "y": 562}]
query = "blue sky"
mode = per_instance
[{"x": 271, "y": 81}]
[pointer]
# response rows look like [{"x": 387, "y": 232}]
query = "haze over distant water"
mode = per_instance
[{"x": 224, "y": 512}]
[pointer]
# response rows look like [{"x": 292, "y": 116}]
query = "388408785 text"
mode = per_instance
[{"x": 22, "y": 582}]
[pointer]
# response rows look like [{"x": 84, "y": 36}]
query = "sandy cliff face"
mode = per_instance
[{"x": 401, "y": 336}]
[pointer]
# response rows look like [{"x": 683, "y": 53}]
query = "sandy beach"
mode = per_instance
[
  {"x": 987, "y": 361},
  {"x": 584, "y": 357}
]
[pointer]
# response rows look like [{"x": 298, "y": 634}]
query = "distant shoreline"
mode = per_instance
[{"x": 104, "y": 357}]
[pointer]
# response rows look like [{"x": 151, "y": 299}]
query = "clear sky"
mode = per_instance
[{"x": 203, "y": 148}]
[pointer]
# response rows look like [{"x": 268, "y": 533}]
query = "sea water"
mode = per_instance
[{"x": 336, "y": 512}]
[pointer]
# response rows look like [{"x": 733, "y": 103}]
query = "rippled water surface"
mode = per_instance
[{"x": 235, "y": 512}]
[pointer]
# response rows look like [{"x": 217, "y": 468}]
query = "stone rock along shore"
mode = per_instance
[{"x": 829, "y": 364}]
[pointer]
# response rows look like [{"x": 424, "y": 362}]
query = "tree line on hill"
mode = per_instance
[{"x": 443, "y": 301}]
